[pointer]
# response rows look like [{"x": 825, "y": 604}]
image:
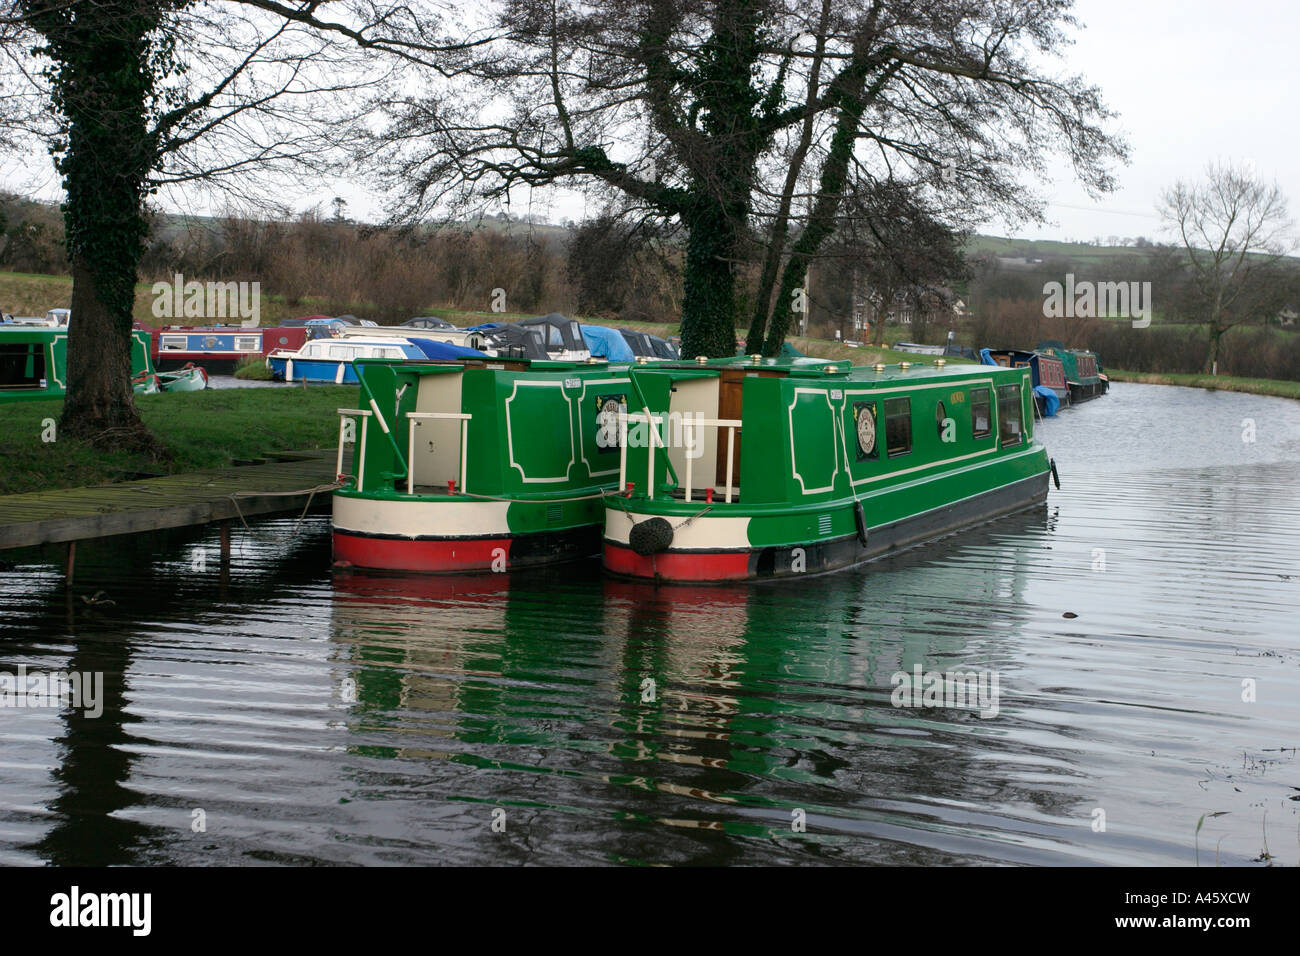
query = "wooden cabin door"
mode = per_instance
[{"x": 731, "y": 386}]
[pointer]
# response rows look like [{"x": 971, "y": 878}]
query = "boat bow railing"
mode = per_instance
[
  {"x": 358, "y": 456},
  {"x": 689, "y": 424},
  {"x": 415, "y": 419}
]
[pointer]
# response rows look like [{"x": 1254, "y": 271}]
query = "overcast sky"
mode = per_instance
[{"x": 1192, "y": 80}]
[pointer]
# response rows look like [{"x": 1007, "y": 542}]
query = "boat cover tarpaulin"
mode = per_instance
[
  {"x": 444, "y": 350},
  {"x": 986, "y": 358},
  {"x": 607, "y": 343},
  {"x": 1050, "y": 402}
]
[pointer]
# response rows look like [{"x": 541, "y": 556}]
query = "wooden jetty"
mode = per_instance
[{"x": 286, "y": 482}]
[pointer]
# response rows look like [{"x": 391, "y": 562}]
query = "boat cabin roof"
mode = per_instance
[
  {"x": 443, "y": 366},
  {"x": 824, "y": 369},
  {"x": 558, "y": 331}
]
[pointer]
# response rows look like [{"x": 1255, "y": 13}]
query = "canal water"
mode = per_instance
[{"x": 1141, "y": 628}]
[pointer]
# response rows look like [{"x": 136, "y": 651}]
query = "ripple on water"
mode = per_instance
[{"x": 368, "y": 719}]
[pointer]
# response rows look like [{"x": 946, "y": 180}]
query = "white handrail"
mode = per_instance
[
  {"x": 416, "y": 418},
  {"x": 730, "y": 424},
  {"x": 650, "y": 420},
  {"x": 359, "y": 457}
]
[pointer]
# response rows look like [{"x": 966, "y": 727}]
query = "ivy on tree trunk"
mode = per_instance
[{"x": 106, "y": 58}]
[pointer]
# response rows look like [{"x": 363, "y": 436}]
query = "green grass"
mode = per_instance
[
  {"x": 253, "y": 369},
  {"x": 1226, "y": 383},
  {"x": 205, "y": 429}
]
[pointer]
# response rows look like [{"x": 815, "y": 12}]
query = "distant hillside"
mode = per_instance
[{"x": 1050, "y": 249}]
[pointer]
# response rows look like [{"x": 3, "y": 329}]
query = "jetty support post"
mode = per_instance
[{"x": 71, "y": 566}]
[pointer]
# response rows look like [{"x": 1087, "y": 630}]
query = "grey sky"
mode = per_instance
[{"x": 1192, "y": 80}]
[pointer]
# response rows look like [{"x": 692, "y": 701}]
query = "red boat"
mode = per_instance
[{"x": 219, "y": 348}]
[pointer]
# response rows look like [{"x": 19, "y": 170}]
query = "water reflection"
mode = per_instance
[{"x": 356, "y": 718}]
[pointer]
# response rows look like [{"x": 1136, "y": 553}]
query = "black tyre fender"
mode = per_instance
[
  {"x": 860, "y": 519},
  {"x": 650, "y": 536}
]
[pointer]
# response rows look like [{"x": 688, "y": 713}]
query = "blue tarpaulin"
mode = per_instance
[
  {"x": 607, "y": 344},
  {"x": 444, "y": 350},
  {"x": 1050, "y": 402},
  {"x": 986, "y": 358}
]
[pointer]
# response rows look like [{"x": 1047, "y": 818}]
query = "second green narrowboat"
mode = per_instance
[
  {"x": 477, "y": 465},
  {"x": 838, "y": 465}
]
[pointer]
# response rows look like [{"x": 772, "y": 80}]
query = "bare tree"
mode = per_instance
[
  {"x": 706, "y": 112},
  {"x": 1235, "y": 231},
  {"x": 141, "y": 96},
  {"x": 950, "y": 101}
]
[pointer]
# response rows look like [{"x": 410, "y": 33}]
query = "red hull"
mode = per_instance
[
  {"x": 678, "y": 565},
  {"x": 464, "y": 555},
  {"x": 428, "y": 557}
]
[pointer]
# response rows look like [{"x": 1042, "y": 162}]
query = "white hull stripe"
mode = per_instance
[
  {"x": 705, "y": 533},
  {"x": 414, "y": 519}
]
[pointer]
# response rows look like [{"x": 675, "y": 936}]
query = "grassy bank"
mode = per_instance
[
  {"x": 203, "y": 429},
  {"x": 1226, "y": 383},
  {"x": 253, "y": 369}
]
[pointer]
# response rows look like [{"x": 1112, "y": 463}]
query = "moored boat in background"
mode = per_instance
[
  {"x": 1083, "y": 373},
  {"x": 218, "y": 348},
  {"x": 838, "y": 465},
  {"x": 561, "y": 336},
  {"x": 34, "y": 361},
  {"x": 191, "y": 378},
  {"x": 329, "y": 360},
  {"x": 1048, "y": 374}
]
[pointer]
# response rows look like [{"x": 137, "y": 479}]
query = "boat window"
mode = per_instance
[
  {"x": 22, "y": 365},
  {"x": 312, "y": 351},
  {"x": 864, "y": 424},
  {"x": 248, "y": 343},
  {"x": 174, "y": 343},
  {"x": 343, "y": 352},
  {"x": 981, "y": 424},
  {"x": 1009, "y": 418},
  {"x": 898, "y": 426}
]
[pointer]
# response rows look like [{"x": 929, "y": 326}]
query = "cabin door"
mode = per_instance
[{"x": 730, "y": 389}]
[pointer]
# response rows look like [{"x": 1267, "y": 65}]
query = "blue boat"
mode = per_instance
[
  {"x": 330, "y": 359},
  {"x": 1050, "y": 386},
  {"x": 607, "y": 343}
]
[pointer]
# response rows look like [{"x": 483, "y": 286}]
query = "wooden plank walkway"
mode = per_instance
[{"x": 172, "y": 501}]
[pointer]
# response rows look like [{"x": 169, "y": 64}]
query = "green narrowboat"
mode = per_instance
[
  {"x": 34, "y": 362},
  {"x": 476, "y": 465},
  {"x": 838, "y": 465},
  {"x": 1083, "y": 372}
]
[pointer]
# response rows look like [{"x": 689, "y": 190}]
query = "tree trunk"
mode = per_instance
[
  {"x": 103, "y": 78},
  {"x": 882, "y": 316},
  {"x": 709, "y": 297},
  {"x": 853, "y": 99},
  {"x": 100, "y": 405},
  {"x": 781, "y": 225},
  {"x": 1212, "y": 356}
]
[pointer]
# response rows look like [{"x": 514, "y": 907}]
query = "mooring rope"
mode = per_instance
[{"x": 309, "y": 492}]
